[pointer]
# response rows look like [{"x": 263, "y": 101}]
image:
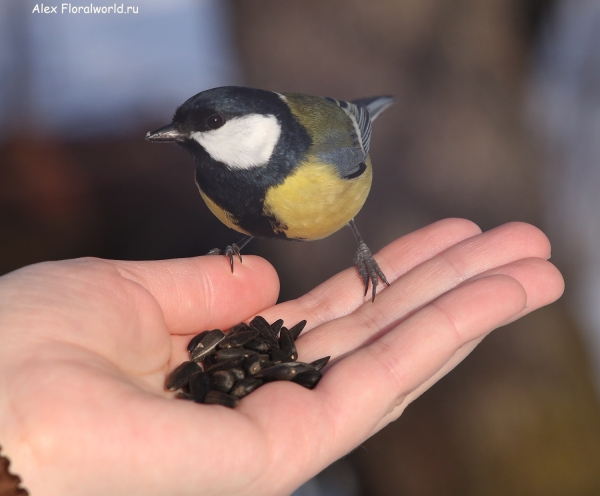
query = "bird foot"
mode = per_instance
[
  {"x": 368, "y": 268},
  {"x": 229, "y": 252}
]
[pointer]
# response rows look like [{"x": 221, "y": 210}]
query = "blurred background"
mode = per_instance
[{"x": 497, "y": 119}]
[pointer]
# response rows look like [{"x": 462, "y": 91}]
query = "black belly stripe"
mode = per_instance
[{"x": 245, "y": 203}]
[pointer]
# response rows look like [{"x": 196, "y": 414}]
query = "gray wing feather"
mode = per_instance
[
  {"x": 362, "y": 113},
  {"x": 375, "y": 105}
]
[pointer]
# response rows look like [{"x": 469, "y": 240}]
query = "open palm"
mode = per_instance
[{"x": 87, "y": 344}]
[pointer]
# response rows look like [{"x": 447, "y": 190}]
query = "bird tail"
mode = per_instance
[{"x": 375, "y": 105}]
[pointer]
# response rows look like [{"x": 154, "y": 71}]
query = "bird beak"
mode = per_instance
[{"x": 165, "y": 133}]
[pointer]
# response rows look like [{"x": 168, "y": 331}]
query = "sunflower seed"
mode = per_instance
[
  {"x": 237, "y": 373},
  {"x": 241, "y": 327},
  {"x": 222, "y": 380},
  {"x": 263, "y": 327},
  {"x": 199, "y": 386},
  {"x": 245, "y": 386},
  {"x": 253, "y": 365},
  {"x": 286, "y": 342},
  {"x": 229, "y": 353},
  {"x": 267, "y": 364},
  {"x": 283, "y": 371},
  {"x": 180, "y": 377},
  {"x": 226, "y": 365},
  {"x": 258, "y": 345},
  {"x": 195, "y": 340},
  {"x": 276, "y": 327},
  {"x": 241, "y": 361},
  {"x": 219, "y": 398},
  {"x": 210, "y": 360},
  {"x": 278, "y": 355},
  {"x": 207, "y": 344},
  {"x": 237, "y": 339},
  {"x": 320, "y": 363},
  {"x": 308, "y": 379},
  {"x": 297, "y": 329}
]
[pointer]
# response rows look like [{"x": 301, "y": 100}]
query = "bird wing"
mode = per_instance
[
  {"x": 375, "y": 105},
  {"x": 361, "y": 120},
  {"x": 362, "y": 112}
]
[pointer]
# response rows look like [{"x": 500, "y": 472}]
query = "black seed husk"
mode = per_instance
[
  {"x": 195, "y": 340},
  {"x": 226, "y": 364},
  {"x": 239, "y": 361},
  {"x": 308, "y": 379},
  {"x": 241, "y": 327},
  {"x": 264, "y": 328},
  {"x": 219, "y": 398},
  {"x": 286, "y": 342},
  {"x": 258, "y": 345},
  {"x": 229, "y": 353},
  {"x": 222, "y": 380},
  {"x": 237, "y": 373},
  {"x": 245, "y": 387},
  {"x": 283, "y": 371},
  {"x": 278, "y": 355},
  {"x": 253, "y": 365},
  {"x": 237, "y": 339},
  {"x": 207, "y": 344},
  {"x": 297, "y": 329},
  {"x": 199, "y": 386},
  {"x": 180, "y": 377},
  {"x": 266, "y": 365},
  {"x": 320, "y": 363},
  {"x": 210, "y": 360},
  {"x": 276, "y": 327}
]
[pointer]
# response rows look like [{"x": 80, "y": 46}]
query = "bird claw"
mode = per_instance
[
  {"x": 368, "y": 268},
  {"x": 229, "y": 251}
]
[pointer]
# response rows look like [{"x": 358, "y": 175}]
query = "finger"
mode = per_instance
[
  {"x": 424, "y": 283},
  {"x": 543, "y": 284},
  {"x": 415, "y": 351},
  {"x": 359, "y": 390},
  {"x": 343, "y": 293},
  {"x": 201, "y": 293},
  {"x": 397, "y": 411},
  {"x": 541, "y": 279}
]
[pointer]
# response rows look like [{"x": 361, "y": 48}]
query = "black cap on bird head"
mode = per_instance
[
  {"x": 234, "y": 126},
  {"x": 212, "y": 109}
]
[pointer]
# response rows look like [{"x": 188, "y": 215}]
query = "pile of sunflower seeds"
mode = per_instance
[{"x": 225, "y": 367}]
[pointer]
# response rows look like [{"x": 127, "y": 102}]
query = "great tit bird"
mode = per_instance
[{"x": 280, "y": 165}]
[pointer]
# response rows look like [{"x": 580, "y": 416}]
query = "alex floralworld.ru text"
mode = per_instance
[{"x": 67, "y": 8}]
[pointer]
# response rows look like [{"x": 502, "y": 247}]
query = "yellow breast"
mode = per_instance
[{"x": 315, "y": 202}]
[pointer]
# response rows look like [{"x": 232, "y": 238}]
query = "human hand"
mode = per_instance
[{"x": 87, "y": 344}]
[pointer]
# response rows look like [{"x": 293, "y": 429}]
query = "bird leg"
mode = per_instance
[
  {"x": 232, "y": 249},
  {"x": 366, "y": 264}
]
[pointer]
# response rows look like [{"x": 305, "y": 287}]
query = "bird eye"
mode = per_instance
[{"x": 215, "y": 121}]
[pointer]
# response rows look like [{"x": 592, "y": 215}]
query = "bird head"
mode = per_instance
[{"x": 236, "y": 126}]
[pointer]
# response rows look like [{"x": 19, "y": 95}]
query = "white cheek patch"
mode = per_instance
[{"x": 242, "y": 142}]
